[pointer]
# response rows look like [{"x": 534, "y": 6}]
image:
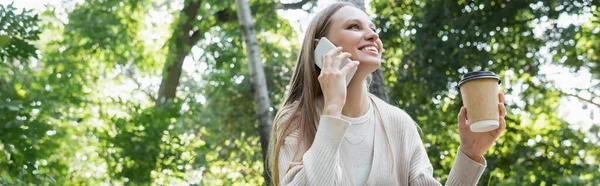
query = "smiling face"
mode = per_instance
[{"x": 353, "y": 30}]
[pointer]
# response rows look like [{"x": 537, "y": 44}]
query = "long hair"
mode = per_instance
[{"x": 299, "y": 109}]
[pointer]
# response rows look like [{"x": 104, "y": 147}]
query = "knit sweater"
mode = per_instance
[{"x": 399, "y": 156}]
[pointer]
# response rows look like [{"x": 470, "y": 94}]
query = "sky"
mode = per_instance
[{"x": 571, "y": 108}]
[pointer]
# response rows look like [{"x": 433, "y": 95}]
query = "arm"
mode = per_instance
[
  {"x": 469, "y": 163},
  {"x": 465, "y": 171},
  {"x": 320, "y": 165},
  {"x": 321, "y": 162}
]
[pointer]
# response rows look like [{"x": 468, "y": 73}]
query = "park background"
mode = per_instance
[{"x": 160, "y": 92}]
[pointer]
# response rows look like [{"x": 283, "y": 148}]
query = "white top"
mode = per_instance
[
  {"x": 399, "y": 156},
  {"x": 359, "y": 140}
]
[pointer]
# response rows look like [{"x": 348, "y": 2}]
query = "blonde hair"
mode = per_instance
[{"x": 299, "y": 110}]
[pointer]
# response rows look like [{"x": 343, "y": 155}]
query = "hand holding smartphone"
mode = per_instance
[{"x": 325, "y": 46}]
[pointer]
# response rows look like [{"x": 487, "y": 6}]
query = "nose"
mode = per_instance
[{"x": 371, "y": 35}]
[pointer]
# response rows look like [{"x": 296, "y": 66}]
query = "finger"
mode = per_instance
[
  {"x": 349, "y": 66},
  {"x": 325, "y": 60},
  {"x": 338, "y": 60},
  {"x": 334, "y": 51},
  {"x": 502, "y": 110},
  {"x": 501, "y": 97},
  {"x": 462, "y": 118},
  {"x": 328, "y": 57},
  {"x": 501, "y": 127}
]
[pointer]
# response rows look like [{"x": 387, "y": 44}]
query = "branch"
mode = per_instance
[
  {"x": 590, "y": 101},
  {"x": 195, "y": 37},
  {"x": 223, "y": 16},
  {"x": 297, "y": 5},
  {"x": 562, "y": 93},
  {"x": 129, "y": 73},
  {"x": 190, "y": 12},
  {"x": 226, "y": 15}
]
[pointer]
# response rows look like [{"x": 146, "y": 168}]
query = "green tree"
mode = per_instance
[
  {"x": 100, "y": 92},
  {"x": 136, "y": 146},
  {"x": 429, "y": 44},
  {"x": 24, "y": 130}
]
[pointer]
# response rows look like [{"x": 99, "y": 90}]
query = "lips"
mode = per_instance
[{"x": 369, "y": 48}]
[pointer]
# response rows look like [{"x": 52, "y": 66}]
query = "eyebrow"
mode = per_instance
[{"x": 358, "y": 20}]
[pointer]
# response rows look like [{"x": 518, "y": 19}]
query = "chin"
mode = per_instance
[
  {"x": 370, "y": 62},
  {"x": 369, "y": 65}
]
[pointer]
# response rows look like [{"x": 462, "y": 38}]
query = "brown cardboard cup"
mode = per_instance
[{"x": 479, "y": 91}]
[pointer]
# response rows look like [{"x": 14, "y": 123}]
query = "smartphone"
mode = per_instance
[{"x": 325, "y": 46}]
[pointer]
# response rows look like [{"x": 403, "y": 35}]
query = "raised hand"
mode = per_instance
[
  {"x": 474, "y": 144},
  {"x": 333, "y": 81}
]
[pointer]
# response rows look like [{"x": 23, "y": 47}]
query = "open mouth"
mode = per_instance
[{"x": 370, "y": 49}]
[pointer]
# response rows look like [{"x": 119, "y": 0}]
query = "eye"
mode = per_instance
[
  {"x": 374, "y": 30},
  {"x": 353, "y": 26}
]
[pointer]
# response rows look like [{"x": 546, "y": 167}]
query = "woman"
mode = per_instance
[{"x": 327, "y": 133}]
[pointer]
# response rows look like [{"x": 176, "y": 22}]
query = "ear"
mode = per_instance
[{"x": 317, "y": 42}]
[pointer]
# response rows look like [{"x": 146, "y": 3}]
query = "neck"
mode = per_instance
[{"x": 357, "y": 100}]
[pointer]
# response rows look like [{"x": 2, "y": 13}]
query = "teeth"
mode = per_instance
[{"x": 371, "y": 48}]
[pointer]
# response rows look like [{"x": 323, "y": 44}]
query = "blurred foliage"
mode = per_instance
[
  {"x": 28, "y": 140},
  {"x": 19, "y": 30},
  {"x": 434, "y": 42},
  {"x": 77, "y": 85}
]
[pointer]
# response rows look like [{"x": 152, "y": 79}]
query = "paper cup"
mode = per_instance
[{"x": 479, "y": 91}]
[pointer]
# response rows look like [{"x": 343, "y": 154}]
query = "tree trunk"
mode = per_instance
[
  {"x": 257, "y": 78},
  {"x": 179, "y": 44},
  {"x": 377, "y": 86}
]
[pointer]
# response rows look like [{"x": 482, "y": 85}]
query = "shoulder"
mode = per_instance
[{"x": 394, "y": 118}]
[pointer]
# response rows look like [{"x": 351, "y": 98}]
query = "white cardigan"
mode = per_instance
[{"x": 325, "y": 162}]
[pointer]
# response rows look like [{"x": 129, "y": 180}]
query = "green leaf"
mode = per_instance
[{"x": 4, "y": 40}]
